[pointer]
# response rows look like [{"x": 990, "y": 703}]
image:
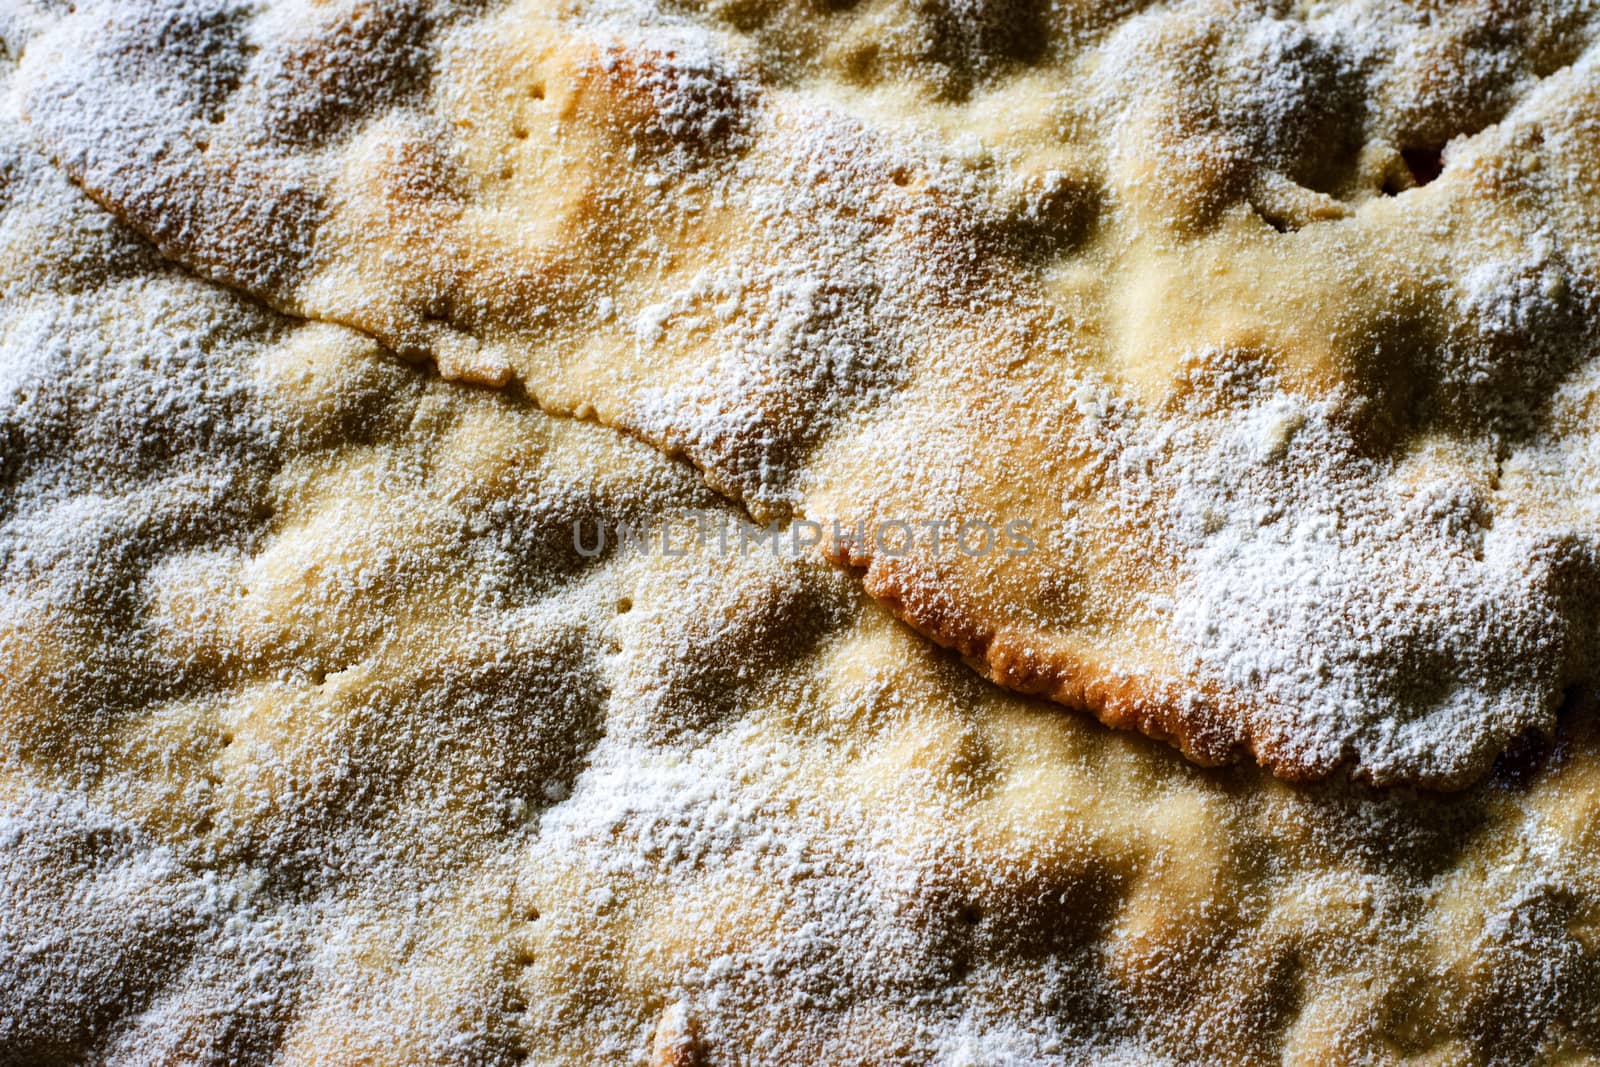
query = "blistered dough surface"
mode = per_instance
[
  {"x": 320, "y": 743},
  {"x": 1263, "y": 318}
]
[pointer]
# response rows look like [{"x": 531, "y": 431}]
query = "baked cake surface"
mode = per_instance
[{"x": 323, "y": 740}]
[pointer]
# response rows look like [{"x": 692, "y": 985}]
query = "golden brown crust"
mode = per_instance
[{"x": 1026, "y": 664}]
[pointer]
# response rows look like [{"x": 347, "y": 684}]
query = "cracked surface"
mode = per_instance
[{"x": 1245, "y": 310}]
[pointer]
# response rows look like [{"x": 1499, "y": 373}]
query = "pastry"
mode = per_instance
[
  {"x": 351, "y": 715},
  {"x": 1236, "y": 314}
]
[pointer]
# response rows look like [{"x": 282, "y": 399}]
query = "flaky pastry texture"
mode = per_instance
[
  {"x": 1272, "y": 325},
  {"x": 322, "y": 743}
]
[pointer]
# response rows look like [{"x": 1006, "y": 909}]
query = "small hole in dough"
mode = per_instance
[
  {"x": 624, "y": 606},
  {"x": 1425, "y": 164},
  {"x": 971, "y": 914}
]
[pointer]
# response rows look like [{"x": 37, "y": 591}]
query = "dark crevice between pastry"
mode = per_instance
[
  {"x": 1425, "y": 164},
  {"x": 1422, "y": 167}
]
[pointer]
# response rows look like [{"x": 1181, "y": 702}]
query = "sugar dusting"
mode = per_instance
[
  {"x": 321, "y": 743},
  {"x": 825, "y": 270}
]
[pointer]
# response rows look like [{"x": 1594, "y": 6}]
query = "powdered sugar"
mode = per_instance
[
  {"x": 321, "y": 739},
  {"x": 826, "y": 297}
]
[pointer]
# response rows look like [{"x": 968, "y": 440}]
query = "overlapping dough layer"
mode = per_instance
[
  {"x": 320, "y": 743},
  {"x": 1161, "y": 286}
]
